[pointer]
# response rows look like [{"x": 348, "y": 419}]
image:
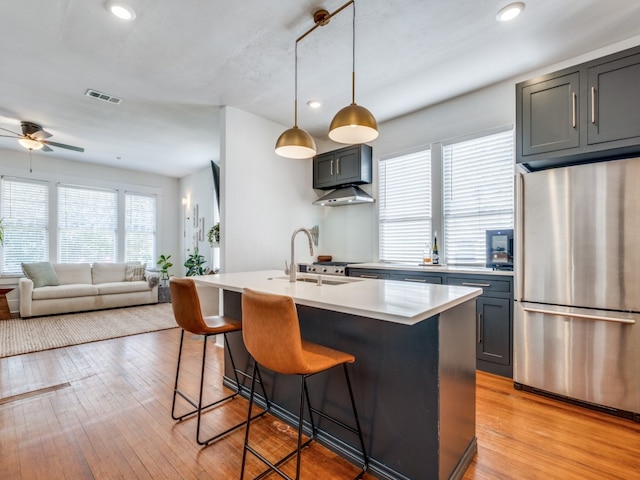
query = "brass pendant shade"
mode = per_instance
[
  {"x": 353, "y": 124},
  {"x": 295, "y": 143}
]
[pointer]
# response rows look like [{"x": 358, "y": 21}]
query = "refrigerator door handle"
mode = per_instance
[{"x": 580, "y": 315}]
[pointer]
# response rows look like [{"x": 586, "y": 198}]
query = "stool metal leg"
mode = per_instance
[
  {"x": 304, "y": 396},
  {"x": 199, "y": 408}
]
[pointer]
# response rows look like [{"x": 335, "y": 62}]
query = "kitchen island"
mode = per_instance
[{"x": 414, "y": 375}]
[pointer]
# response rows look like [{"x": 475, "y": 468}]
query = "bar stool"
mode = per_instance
[
  {"x": 271, "y": 333},
  {"x": 188, "y": 314}
]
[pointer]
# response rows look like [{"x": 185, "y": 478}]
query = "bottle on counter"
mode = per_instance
[{"x": 435, "y": 257}]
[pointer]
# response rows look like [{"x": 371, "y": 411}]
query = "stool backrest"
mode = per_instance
[
  {"x": 186, "y": 305},
  {"x": 271, "y": 331}
]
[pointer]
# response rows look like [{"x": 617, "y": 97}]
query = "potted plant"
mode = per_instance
[
  {"x": 1, "y": 232},
  {"x": 214, "y": 234},
  {"x": 164, "y": 264},
  {"x": 195, "y": 263}
]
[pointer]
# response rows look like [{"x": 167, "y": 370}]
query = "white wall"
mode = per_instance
[
  {"x": 264, "y": 197},
  {"x": 49, "y": 168},
  {"x": 197, "y": 190}
]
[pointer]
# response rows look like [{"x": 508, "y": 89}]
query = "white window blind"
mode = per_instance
[
  {"x": 87, "y": 224},
  {"x": 25, "y": 214},
  {"x": 140, "y": 228},
  {"x": 478, "y": 194},
  {"x": 404, "y": 207}
]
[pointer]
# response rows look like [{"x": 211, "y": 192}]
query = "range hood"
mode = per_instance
[{"x": 348, "y": 195}]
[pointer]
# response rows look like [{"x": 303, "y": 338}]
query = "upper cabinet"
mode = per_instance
[
  {"x": 583, "y": 113},
  {"x": 346, "y": 166}
]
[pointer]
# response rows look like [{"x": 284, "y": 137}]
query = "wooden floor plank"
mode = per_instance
[{"x": 113, "y": 421}]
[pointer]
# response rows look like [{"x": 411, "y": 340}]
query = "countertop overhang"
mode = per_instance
[{"x": 388, "y": 300}]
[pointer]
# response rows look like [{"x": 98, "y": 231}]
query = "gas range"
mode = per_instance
[{"x": 326, "y": 268}]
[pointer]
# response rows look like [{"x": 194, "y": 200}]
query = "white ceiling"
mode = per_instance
[{"x": 179, "y": 61}]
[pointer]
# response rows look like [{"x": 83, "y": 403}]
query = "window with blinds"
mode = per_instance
[
  {"x": 87, "y": 224},
  {"x": 140, "y": 228},
  {"x": 404, "y": 203},
  {"x": 25, "y": 214},
  {"x": 478, "y": 177}
]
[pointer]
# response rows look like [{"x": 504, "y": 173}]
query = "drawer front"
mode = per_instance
[
  {"x": 416, "y": 277},
  {"x": 487, "y": 284},
  {"x": 364, "y": 273}
]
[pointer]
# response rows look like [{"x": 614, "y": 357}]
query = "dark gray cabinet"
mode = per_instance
[
  {"x": 346, "y": 166},
  {"x": 493, "y": 331},
  {"x": 368, "y": 273},
  {"x": 550, "y": 114},
  {"x": 584, "y": 113},
  {"x": 494, "y": 311},
  {"x": 614, "y": 101}
]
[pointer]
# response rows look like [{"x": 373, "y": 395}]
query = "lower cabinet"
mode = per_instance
[
  {"x": 494, "y": 311},
  {"x": 494, "y": 335}
]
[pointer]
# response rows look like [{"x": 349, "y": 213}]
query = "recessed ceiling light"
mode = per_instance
[
  {"x": 121, "y": 10},
  {"x": 314, "y": 103},
  {"x": 510, "y": 12}
]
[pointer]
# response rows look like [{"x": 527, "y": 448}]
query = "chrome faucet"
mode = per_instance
[{"x": 292, "y": 265}]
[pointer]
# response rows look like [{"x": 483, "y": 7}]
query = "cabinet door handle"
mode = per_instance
[
  {"x": 574, "y": 101},
  {"x": 338, "y": 166},
  {"x": 593, "y": 105},
  {"x": 471, "y": 284},
  {"x": 479, "y": 336},
  {"x": 331, "y": 172},
  {"x": 362, "y": 275},
  {"x": 419, "y": 280}
]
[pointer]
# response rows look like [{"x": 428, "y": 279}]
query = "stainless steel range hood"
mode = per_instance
[{"x": 349, "y": 195}]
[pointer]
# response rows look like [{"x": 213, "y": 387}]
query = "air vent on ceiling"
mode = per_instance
[{"x": 103, "y": 96}]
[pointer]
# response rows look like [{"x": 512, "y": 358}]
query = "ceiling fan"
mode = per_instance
[{"x": 34, "y": 138}]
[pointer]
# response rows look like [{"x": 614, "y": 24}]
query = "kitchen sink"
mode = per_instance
[{"x": 325, "y": 280}]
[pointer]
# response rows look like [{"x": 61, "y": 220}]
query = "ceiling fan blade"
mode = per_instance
[
  {"x": 62, "y": 145},
  {"x": 16, "y": 134},
  {"x": 46, "y": 149},
  {"x": 41, "y": 135}
]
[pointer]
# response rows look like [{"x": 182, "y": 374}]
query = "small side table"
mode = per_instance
[
  {"x": 164, "y": 294},
  {"x": 5, "y": 313}
]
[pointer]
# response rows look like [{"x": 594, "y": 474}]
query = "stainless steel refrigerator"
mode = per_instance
[{"x": 577, "y": 309}]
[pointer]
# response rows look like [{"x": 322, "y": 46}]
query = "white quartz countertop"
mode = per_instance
[
  {"x": 432, "y": 268},
  {"x": 393, "y": 301}
]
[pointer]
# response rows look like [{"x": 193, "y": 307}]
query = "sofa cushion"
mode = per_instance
[
  {"x": 122, "y": 287},
  {"x": 135, "y": 272},
  {"x": 69, "y": 273},
  {"x": 65, "y": 291},
  {"x": 41, "y": 274},
  {"x": 103, "y": 272}
]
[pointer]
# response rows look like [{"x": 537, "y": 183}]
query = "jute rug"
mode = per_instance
[{"x": 19, "y": 336}]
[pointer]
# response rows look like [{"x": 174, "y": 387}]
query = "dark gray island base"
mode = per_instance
[{"x": 414, "y": 388}]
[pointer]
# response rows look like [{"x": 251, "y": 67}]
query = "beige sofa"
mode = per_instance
[{"x": 83, "y": 286}]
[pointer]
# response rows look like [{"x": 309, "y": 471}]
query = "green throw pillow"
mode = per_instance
[{"x": 41, "y": 274}]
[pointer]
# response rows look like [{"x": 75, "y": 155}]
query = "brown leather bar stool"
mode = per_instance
[
  {"x": 188, "y": 314},
  {"x": 271, "y": 333}
]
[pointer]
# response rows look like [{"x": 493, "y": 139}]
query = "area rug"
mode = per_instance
[{"x": 19, "y": 336}]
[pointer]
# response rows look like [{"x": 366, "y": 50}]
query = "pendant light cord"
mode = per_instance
[
  {"x": 295, "y": 103},
  {"x": 353, "y": 56}
]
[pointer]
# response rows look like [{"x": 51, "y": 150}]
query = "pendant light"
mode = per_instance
[
  {"x": 295, "y": 142},
  {"x": 353, "y": 124}
]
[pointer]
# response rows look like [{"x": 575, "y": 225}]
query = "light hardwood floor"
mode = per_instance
[{"x": 102, "y": 410}]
